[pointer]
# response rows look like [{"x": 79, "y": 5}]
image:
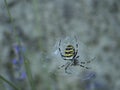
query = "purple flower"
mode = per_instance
[
  {"x": 95, "y": 85},
  {"x": 94, "y": 82},
  {"x": 88, "y": 75},
  {"x": 18, "y": 61},
  {"x": 19, "y": 48},
  {"x": 14, "y": 61},
  {"x": 22, "y": 76}
]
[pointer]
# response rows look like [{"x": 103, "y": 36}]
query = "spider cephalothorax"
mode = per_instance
[{"x": 71, "y": 54}]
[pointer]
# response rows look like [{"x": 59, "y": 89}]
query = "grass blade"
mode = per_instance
[
  {"x": 8, "y": 82},
  {"x": 29, "y": 73}
]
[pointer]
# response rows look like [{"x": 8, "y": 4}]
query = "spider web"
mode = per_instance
[{"x": 84, "y": 56}]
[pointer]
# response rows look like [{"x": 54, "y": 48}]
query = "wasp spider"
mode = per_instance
[{"x": 71, "y": 54}]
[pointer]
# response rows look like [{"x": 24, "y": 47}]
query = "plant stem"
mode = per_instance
[
  {"x": 8, "y": 82},
  {"x": 11, "y": 21},
  {"x": 29, "y": 73}
]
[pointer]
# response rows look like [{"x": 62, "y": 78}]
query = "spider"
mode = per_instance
[{"x": 71, "y": 54}]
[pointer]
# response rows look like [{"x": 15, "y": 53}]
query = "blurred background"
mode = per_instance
[{"x": 40, "y": 24}]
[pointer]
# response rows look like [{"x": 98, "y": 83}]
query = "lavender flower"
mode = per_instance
[
  {"x": 94, "y": 83},
  {"x": 88, "y": 75},
  {"x": 18, "y": 62},
  {"x": 18, "y": 49},
  {"x": 22, "y": 76}
]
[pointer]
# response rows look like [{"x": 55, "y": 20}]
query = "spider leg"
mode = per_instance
[
  {"x": 88, "y": 61},
  {"x": 84, "y": 66},
  {"x": 61, "y": 52},
  {"x": 67, "y": 68},
  {"x": 85, "y": 63},
  {"x": 91, "y": 60},
  {"x": 62, "y": 66},
  {"x": 76, "y": 49},
  {"x": 75, "y": 54},
  {"x": 76, "y": 43},
  {"x": 77, "y": 57}
]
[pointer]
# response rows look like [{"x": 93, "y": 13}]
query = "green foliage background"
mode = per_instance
[{"x": 40, "y": 24}]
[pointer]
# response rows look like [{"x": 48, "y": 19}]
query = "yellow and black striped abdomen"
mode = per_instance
[{"x": 69, "y": 51}]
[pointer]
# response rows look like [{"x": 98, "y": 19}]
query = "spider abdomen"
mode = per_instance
[{"x": 69, "y": 51}]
